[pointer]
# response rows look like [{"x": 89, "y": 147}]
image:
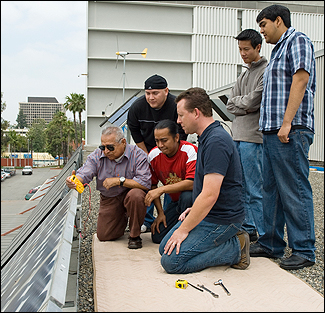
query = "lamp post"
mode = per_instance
[{"x": 123, "y": 54}]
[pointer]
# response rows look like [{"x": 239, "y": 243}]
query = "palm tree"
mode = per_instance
[
  {"x": 76, "y": 103},
  {"x": 16, "y": 142},
  {"x": 70, "y": 105}
]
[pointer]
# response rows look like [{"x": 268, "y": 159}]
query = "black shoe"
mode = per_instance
[
  {"x": 256, "y": 250},
  {"x": 253, "y": 236},
  {"x": 295, "y": 262},
  {"x": 135, "y": 243},
  {"x": 244, "y": 258}
]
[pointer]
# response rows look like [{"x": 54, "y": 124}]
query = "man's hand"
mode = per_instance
[
  {"x": 152, "y": 195},
  {"x": 161, "y": 218},
  {"x": 111, "y": 182},
  {"x": 297, "y": 91},
  {"x": 183, "y": 215},
  {"x": 69, "y": 183},
  {"x": 283, "y": 133},
  {"x": 175, "y": 241}
]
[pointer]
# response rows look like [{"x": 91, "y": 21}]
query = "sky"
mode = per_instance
[{"x": 43, "y": 52}]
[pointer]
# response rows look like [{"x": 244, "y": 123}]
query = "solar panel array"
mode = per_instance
[
  {"x": 34, "y": 268},
  {"x": 119, "y": 116}
]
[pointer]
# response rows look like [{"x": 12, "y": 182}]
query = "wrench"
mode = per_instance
[
  {"x": 219, "y": 282},
  {"x": 203, "y": 287}
]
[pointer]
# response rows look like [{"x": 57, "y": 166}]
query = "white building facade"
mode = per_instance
[{"x": 190, "y": 43}]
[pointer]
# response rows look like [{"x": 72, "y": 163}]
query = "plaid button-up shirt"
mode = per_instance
[{"x": 292, "y": 52}]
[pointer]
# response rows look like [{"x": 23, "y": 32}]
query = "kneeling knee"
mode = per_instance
[
  {"x": 156, "y": 238},
  {"x": 168, "y": 266}
]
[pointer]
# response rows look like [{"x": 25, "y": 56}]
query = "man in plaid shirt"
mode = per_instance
[{"x": 287, "y": 123}]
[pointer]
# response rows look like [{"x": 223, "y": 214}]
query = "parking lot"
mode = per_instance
[
  {"x": 16, "y": 187},
  {"x": 13, "y": 203}
]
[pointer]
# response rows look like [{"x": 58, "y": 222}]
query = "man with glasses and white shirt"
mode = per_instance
[{"x": 123, "y": 177}]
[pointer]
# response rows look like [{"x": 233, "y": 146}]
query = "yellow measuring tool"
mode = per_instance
[
  {"x": 182, "y": 284},
  {"x": 79, "y": 186}
]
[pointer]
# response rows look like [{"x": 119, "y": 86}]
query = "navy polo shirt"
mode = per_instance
[{"x": 217, "y": 154}]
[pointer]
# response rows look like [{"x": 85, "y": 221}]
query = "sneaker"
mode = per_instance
[
  {"x": 145, "y": 229},
  {"x": 135, "y": 243},
  {"x": 244, "y": 245}
]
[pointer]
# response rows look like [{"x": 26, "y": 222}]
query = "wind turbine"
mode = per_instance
[{"x": 123, "y": 54}]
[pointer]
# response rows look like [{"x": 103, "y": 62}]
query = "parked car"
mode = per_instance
[
  {"x": 27, "y": 170},
  {"x": 3, "y": 176},
  {"x": 7, "y": 173},
  {"x": 11, "y": 169},
  {"x": 31, "y": 192},
  {"x": 34, "y": 189}
]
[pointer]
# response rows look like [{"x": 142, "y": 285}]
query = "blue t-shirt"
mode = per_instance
[{"x": 217, "y": 154}]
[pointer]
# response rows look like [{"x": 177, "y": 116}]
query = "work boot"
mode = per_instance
[
  {"x": 135, "y": 243},
  {"x": 244, "y": 246}
]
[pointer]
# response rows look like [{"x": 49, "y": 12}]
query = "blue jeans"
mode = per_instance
[
  {"x": 149, "y": 218},
  {"x": 251, "y": 157},
  {"x": 206, "y": 245},
  {"x": 287, "y": 196},
  {"x": 172, "y": 212}
]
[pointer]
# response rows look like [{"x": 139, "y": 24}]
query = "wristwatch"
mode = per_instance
[{"x": 122, "y": 180}]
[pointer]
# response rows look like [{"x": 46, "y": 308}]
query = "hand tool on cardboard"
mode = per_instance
[
  {"x": 219, "y": 282},
  {"x": 214, "y": 294}
]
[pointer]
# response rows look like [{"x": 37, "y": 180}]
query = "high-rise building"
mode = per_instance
[{"x": 40, "y": 107}]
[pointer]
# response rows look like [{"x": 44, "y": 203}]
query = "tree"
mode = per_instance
[
  {"x": 36, "y": 135},
  {"x": 4, "y": 126},
  {"x": 76, "y": 103},
  {"x": 16, "y": 141},
  {"x": 71, "y": 134},
  {"x": 13, "y": 140},
  {"x": 57, "y": 134},
  {"x": 80, "y": 108},
  {"x": 21, "y": 120}
]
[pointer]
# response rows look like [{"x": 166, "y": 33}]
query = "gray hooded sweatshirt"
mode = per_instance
[{"x": 244, "y": 102}]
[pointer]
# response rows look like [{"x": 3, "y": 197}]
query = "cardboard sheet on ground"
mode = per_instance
[{"x": 127, "y": 280}]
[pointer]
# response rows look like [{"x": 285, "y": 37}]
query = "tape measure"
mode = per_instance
[
  {"x": 79, "y": 186},
  {"x": 181, "y": 283}
]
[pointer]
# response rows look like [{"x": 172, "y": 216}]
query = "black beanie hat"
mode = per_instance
[{"x": 155, "y": 82}]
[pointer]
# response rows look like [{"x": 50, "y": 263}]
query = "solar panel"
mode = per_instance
[
  {"x": 34, "y": 268},
  {"x": 220, "y": 107},
  {"x": 54, "y": 195},
  {"x": 119, "y": 116},
  {"x": 38, "y": 274}
]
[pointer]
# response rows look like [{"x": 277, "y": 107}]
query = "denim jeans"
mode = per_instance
[
  {"x": 149, "y": 218},
  {"x": 206, "y": 245},
  {"x": 251, "y": 156},
  {"x": 287, "y": 195},
  {"x": 172, "y": 212}
]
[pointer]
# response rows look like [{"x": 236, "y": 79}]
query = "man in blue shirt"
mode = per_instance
[
  {"x": 287, "y": 123},
  {"x": 210, "y": 234}
]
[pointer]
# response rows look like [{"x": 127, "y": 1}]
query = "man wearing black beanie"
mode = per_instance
[{"x": 144, "y": 114}]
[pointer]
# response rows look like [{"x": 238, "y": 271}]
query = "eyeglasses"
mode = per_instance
[{"x": 109, "y": 147}]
